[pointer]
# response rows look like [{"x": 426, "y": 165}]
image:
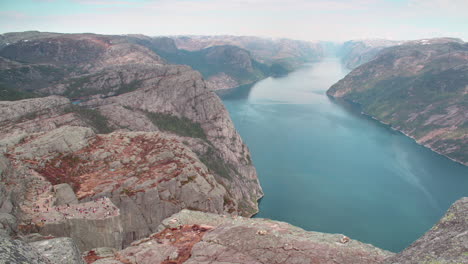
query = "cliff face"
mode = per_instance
[
  {"x": 419, "y": 88},
  {"x": 195, "y": 237},
  {"x": 223, "y": 67},
  {"x": 132, "y": 88},
  {"x": 122, "y": 85},
  {"x": 147, "y": 176}
]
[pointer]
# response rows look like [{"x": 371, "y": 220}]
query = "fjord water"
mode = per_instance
[{"x": 326, "y": 168}]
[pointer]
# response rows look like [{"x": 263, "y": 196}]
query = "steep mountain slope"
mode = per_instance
[
  {"x": 223, "y": 67},
  {"x": 419, "y": 88},
  {"x": 117, "y": 84}
]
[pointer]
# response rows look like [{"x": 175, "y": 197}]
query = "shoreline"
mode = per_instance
[{"x": 340, "y": 100}]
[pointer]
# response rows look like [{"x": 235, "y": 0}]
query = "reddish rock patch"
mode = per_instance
[
  {"x": 183, "y": 238},
  {"x": 91, "y": 257},
  {"x": 64, "y": 169},
  {"x": 112, "y": 159}
]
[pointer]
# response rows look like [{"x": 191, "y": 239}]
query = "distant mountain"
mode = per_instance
[
  {"x": 283, "y": 55},
  {"x": 222, "y": 67},
  {"x": 356, "y": 52},
  {"x": 420, "y": 88}
]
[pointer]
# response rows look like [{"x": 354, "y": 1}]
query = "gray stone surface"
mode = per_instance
[
  {"x": 88, "y": 233},
  {"x": 62, "y": 140},
  {"x": 59, "y": 250},
  {"x": 196, "y": 237},
  {"x": 445, "y": 243},
  {"x": 6, "y": 205},
  {"x": 64, "y": 194},
  {"x": 18, "y": 252},
  {"x": 29, "y": 108},
  {"x": 8, "y": 223}
]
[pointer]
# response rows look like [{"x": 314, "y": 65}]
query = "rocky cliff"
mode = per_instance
[
  {"x": 147, "y": 175},
  {"x": 117, "y": 84},
  {"x": 223, "y": 67},
  {"x": 144, "y": 140},
  {"x": 195, "y": 237},
  {"x": 419, "y": 88}
]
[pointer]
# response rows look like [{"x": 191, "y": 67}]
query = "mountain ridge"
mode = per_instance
[{"x": 418, "y": 88}]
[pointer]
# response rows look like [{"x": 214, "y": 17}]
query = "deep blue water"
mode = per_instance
[{"x": 326, "y": 168}]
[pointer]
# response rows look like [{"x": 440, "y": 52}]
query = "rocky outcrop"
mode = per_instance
[
  {"x": 126, "y": 86},
  {"x": 220, "y": 147},
  {"x": 16, "y": 251},
  {"x": 235, "y": 65},
  {"x": 8, "y": 224},
  {"x": 221, "y": 81},
  {"x": 446, "y": 242},
  {"x": 90, "y": 224},
  {"x": 14, "y": 111},
  {"x": 64, "y": 194},
  {"x": 418, "y": 88},
  {"x": 59, "y": 250},
  {"x": 18, "y": 118},
  {"x": 147, "y": 175},
  {"x": 196, "y": 237},
  {"x": 63, "y": 140}
]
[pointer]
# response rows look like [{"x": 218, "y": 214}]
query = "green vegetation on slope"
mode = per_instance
[
  {"x": 216, "y": 164},
  {"x": 29, "y": 77},
  {"x": 181, "y": 126},
  {"x": 92, "y": 117},
  {"x": 208, "y": 67},
  {"x": 408, "y": 103},
  {"x": 8, "y": 94},
  {"x": 85, "y": 86}
]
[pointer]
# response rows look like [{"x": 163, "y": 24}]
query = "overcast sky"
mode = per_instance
[{"x": 336, "y": 20}]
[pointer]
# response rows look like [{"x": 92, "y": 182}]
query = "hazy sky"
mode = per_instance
[{"x": 297, "y": 19}]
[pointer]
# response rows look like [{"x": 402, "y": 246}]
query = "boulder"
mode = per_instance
[
  {"x": 64, "y": 194},
  {"x": 8, "y": 224},
  {"x": 59, "y": 250},
  {"x": 18, "y": 252}
]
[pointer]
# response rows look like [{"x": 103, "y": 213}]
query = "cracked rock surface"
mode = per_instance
[{"x": 211, "y": 238}]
